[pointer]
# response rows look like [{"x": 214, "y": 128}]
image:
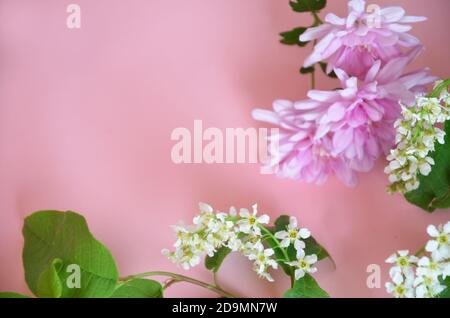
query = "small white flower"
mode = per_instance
[
  {"x": 427, "y": 286},
  {"x": 250, "y": 221},
  {"x": 403, "y": 263},
  {"x": 401, "y": 288},
  {"x": 293, "y": 235},
  {"x": 303, "y": 264},
  {"x": 428, "y": 267},
  {"x": 262, "y": 260},
  {"x": 439, "y": 247},
  {"x": 416, "y": 137}
]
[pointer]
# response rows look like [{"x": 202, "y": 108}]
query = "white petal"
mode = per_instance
[
  {"x": 447, "y": 228},
  {"x": 281, "y": 235},
  {"x": 300, "y": 254},
  {"x": 391, "y": 259},
  {"x": 304, "y": 233},
  {"x": 432, "y": 231},
  {"x": 403, "y": 252},
  {"x": 264, "y": 219},
  {"x": 268, "y": 252},
  {"x": 432, "y": 246},
  {"x": 292, "y": 222},
  {"x": 311, "y": 259},
  {"x": 299, "y": 274},
  {"x": 299, "y": 245},
  {"x": 244, "y": 213},
  {"x": 204, "y": 207},
  {"x": 285, "y": 243}
]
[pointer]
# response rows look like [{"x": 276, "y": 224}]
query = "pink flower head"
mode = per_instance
[
  {"x": 344, "y": 131},
  {"x": 360, "y": 117},
  {"x": 354, "y": 43},
  {"x": 300, "y": 155}
]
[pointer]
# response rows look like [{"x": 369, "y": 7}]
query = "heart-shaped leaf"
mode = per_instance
[
  {"x": 60, "y": 245},
  {"x": 306, "y": 287},
  {"x": 138, "y": 288}
]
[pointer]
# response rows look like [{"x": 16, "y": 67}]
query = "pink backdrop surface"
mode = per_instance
[{"x": 86, "y": 117}]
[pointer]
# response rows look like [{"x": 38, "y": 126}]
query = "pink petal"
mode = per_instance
[
  {"x": 334, "y": 19},
  {"x": 342, "y": 139},
  {"x": 315, "y": 32},
  {"x": 392, "y": 14},
  {"x": 337, "y": 111},
  {"x": 281, "y": 104},
  {"x": 344, "y": 173},
  {"x": 400, "y": 28},
  {"x": 373, "y": 71},
  {"x": 307, "y": 104},
  {"x": 357, "y": 117},
  {"x": 265, "y": 116},
  {"x": 412, "y": 19},
  {"x": 407, "y": 40},
  {"x": 323, "y": 96}
]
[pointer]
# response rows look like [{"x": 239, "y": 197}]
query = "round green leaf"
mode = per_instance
[
  {"x": 306, "y": 287},
  {"x": 12, "y": 295},
  {"x": 139, "y": 288},
  {"x": 65, "y": 237}
]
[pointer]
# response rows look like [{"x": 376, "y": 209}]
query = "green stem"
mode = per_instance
[
  {"x": 437, "y": 91},
  {"x": 181, "y": 278},
  {"x": 420, "y": 252},
  {"x": 313, "y": 80},
  {"x": 278, "y": 246},
  {"x": 317, "y": 20}
]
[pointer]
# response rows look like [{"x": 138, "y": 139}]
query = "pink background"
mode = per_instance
[{"x": 86, "y": 117}]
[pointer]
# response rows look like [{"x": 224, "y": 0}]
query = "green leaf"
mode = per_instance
[
  {"x": 307, "y": 70},
  {"x": 12, "y": 295},
  {"x": 213, "y": 263},
  {"x": 306, "y": 287},
  {"x": 139, "y": 288},
  {"x": 312, "y": 247},
  {"x": 434, "y": 190},
  {"x": 293, "y": 37},
  {"x": 64, "y": 238},
  {"x": 307, "y": 5},
  {"x": 446, "y": 292},
  {"x": 49, "y": 284}
]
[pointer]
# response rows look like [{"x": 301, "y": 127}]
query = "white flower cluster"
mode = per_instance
[
  {"x": 414, "y": 277},
  {"x": 242, "y": 232},
  {"x": 416, "y": 137}
]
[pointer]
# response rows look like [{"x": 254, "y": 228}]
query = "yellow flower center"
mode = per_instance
[
  {"x": 400, "y": 290},
  {"x": 252, "y": 220},
  {"x": 442, "y": 239},
  {"x": 302, "y": 264},
  {"x": 427, "y": 281},
  {"x": 293, "y": 234},
  {"x": 402, "y": 261}
]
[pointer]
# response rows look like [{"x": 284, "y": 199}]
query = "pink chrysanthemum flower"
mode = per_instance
[
  {"x": 354, "y": 43},
  {"x": 361, "y": 115},
  {"x": 299, "y": 155},
  {"x": 344, "y": 131}
]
